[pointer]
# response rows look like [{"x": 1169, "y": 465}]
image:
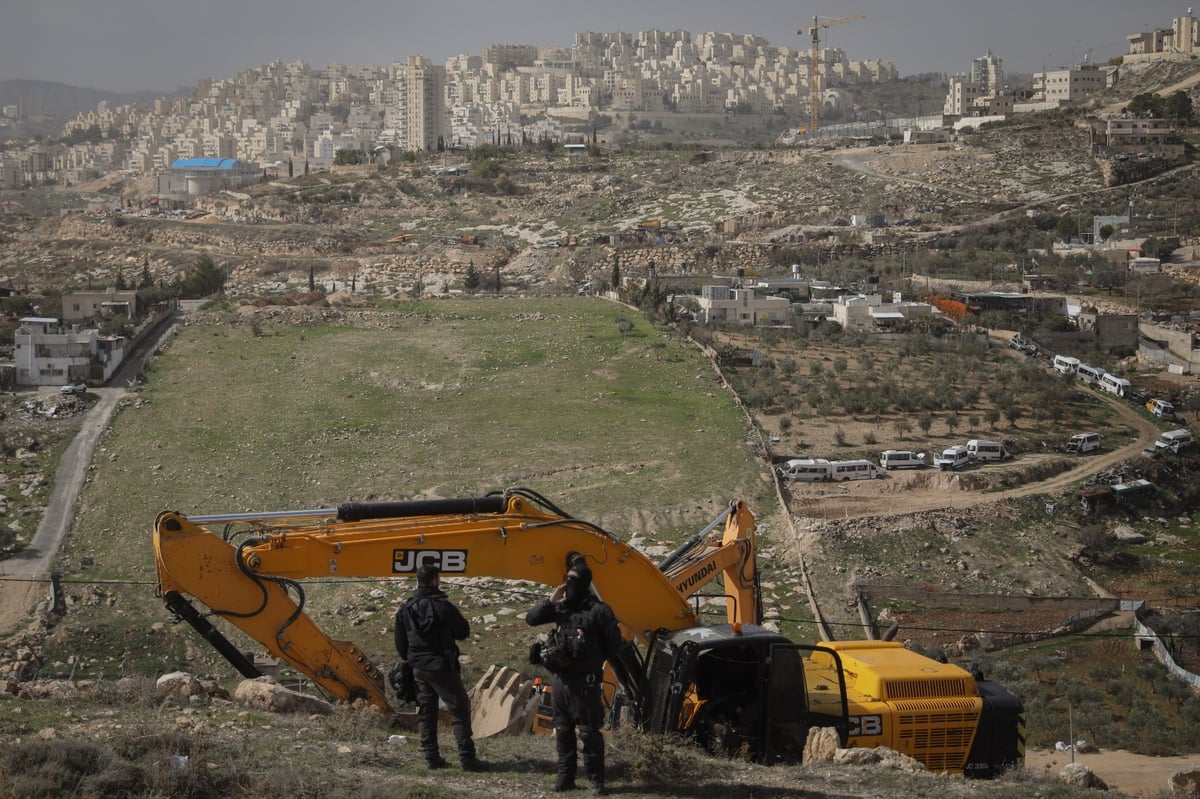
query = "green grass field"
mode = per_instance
[{"x": 436, "y": 399}]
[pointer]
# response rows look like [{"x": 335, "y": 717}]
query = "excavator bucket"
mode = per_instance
[{"x": 503, "y": 702}]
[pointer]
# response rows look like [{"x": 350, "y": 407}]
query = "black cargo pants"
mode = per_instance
[
  {"x": 447, "y": 685},
  {"x": 579, "y": 702}
]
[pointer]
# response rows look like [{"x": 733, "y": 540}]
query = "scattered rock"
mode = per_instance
[
  {"x": 1081, "y": 776},
  {"x": 178, "y": 685},
  {"x": 266, "y": 694},
  {"x": 821, "y": 746},
  {"x": 1127, "y": 535},
  {"x": 1185, "y": 784}
]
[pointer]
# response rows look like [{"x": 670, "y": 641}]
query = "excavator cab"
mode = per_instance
[{"x": 714, "y": 685}]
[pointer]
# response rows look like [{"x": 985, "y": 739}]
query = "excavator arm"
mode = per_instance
[
  {"x": 247, "y": 569},
  {"x": 729, "y": 553}
]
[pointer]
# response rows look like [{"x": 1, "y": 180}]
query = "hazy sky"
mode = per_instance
[{"x": 127, "y": 45}]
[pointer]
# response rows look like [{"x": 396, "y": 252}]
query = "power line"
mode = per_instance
[{"x": 528, "y": 594}]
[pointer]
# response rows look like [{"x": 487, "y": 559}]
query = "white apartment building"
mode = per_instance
[
  {"x": 988, "y": 72},
  {"x": 1134, "y": 135},
  {"x": 47, "y": 354},
  {"x": 870, "y": 314},
  {"x": 326, "y": 145},
  {"x": 982, "y": 93},
  {"x": 726, "y": 305},
  {"x": 82, "y": 307},
  {"x": 1065, "y": 86},
  {"x": 961, "y": 96},
  {"x": 416, "y": 105},
  {"x": 1182, "y": 37}
]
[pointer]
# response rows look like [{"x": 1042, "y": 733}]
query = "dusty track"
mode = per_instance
[{"x": 928, "y": 490}]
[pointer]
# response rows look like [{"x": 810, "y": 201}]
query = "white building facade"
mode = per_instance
[{"x": 47, "y": 354}]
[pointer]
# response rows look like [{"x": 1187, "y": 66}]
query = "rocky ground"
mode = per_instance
[{"x": 340, "y": 228}]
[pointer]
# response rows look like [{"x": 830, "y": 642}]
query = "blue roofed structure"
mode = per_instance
[
  {"x": 189, "y": 178},
  {"x": 205, "y": 163}
]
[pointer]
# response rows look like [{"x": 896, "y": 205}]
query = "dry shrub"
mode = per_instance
[
  {"x": 658, "y": 759},
  {"x": 50, "y": 768}
]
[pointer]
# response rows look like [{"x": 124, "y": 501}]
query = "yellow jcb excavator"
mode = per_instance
[{"x": 733, "y": 686}]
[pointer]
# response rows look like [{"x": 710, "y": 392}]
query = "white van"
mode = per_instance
[
  {"x": 854, "y": 470},
  {"x": 1066, "y": 364},
  {"x": 1089, "y": 374},
  {"x": 1084, "y": 443},
  {"x": 979, "y": 450},
  {"x": 805, "y": 470},
  {"x": 952, "y": 459},
  {"x": 901, "y": 459},
  {"x": 1115, "y": 385},
  {"x": 1174, "y": 440}
]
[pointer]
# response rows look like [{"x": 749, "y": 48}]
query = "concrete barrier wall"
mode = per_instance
[{"x": 1147, "y": 635}]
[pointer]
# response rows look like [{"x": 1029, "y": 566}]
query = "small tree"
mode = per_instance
[
  {"x": 203, "y": 279},
  {"x": 925, "y": 422},
  {"x": 1067, "y": 227},
  {"x": 1178, "y": 106},
  {"x": 471, "y": 280},
  {"x": 1013, "y": 412}
]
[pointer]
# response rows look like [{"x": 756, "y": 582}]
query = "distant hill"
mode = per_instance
[{"x": 62, "y": 100}]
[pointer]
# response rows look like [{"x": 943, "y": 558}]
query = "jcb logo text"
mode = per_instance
[
  {"x": 866, "y": 725},
  {"x": 407, "y": 561}
]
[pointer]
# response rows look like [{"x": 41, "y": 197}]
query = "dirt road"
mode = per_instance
[
  {"x": 1132, "y": 775},
  {"x": 928, "y": 490},
  {"x": 25, "y": 574}
]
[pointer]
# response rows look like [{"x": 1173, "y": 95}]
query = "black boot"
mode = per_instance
[
  {"x": 473, "y": 763},
  {"x": 565, "y": 782}
]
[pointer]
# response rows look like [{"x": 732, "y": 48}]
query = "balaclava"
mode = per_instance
[{"x": 579, "y": 584}]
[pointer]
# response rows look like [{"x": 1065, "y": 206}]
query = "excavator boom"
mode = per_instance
[{"x": 249, "y": 572}]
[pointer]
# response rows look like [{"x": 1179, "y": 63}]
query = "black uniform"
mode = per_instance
[
  {"x": 578, "y": 685},
  {"x": 427, "y": 629}
]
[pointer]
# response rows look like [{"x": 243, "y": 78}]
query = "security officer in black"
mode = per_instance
[
  {"x": 577, "y": 687},
  {"x": 427, "y": 628}
]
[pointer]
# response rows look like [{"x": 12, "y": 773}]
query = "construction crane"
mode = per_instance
[{"x": 814, "y": 77}]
